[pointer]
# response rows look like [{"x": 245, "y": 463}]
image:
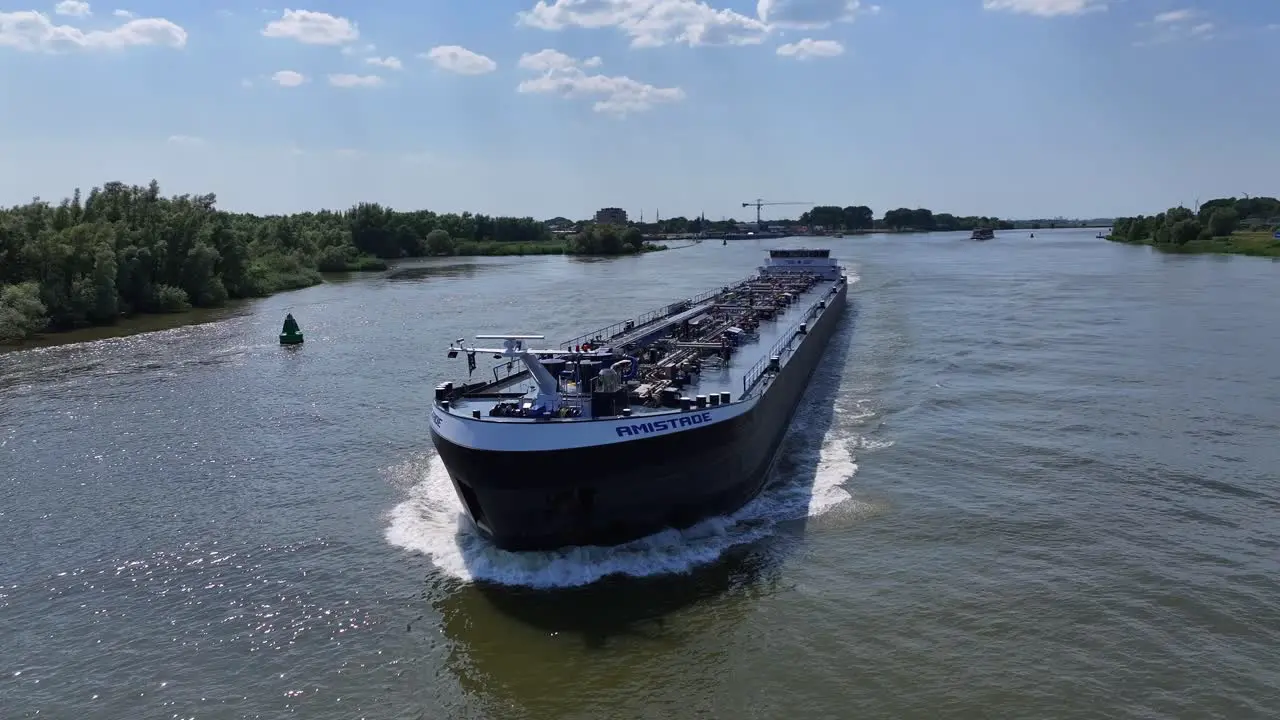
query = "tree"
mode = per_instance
[
  {"x": 1179, "y": 226},
  {"x": 1184, "y": 231},
  {"x": 899, "y": 219},
  {"x": 1261, "y": 210},
  {"x": 858, "y": 217},
  {"x": 607, "y": 240},
  {"x": 922, "y": 219},
  {"x": 21, "y": 312},
  {"x": 1224, "y": 221},
  {"x": 610, "y": 239},
  {"x": 439, "y": 243},
  {"x": 834, "y": 217},
  {"x": 632, "y": 240}
]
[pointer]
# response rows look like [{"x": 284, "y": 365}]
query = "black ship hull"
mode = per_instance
[{"x": 644, "y": 481}]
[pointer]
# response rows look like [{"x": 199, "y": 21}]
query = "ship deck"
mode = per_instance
[{"x": 728, "y": 378}]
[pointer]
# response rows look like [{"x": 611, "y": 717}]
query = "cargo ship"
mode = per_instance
[{"x": 656, "y": 422}]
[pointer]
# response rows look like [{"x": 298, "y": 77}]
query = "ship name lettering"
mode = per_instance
[{"x": 660, "y": 426}]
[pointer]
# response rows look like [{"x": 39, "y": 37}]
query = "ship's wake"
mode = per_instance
[{"x": 809, "y": 480}]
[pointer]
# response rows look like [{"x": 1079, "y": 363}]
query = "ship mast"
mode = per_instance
[{"x": 513, "y": 347}]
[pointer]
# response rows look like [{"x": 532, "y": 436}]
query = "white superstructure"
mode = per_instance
[{"x": 807, "y": 260}]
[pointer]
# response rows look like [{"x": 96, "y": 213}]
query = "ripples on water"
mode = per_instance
[{"x": 1040, "y": 482}]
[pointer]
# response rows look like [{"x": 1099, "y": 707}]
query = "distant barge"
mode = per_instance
[
  {"x": 656, "y": 422},
  {"x": 983, "y": 234}
]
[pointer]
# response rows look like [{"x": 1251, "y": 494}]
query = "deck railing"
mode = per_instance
[
  {"x": 781, "y": 349},
  {"x": 506, "y": 369},
  {"x": 609, "y": 332}
]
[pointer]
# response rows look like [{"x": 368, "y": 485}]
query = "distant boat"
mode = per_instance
[{"x": 983, "y": 234}]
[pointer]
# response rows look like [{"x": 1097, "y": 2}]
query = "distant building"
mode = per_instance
[{"x": 611, "y": 216}]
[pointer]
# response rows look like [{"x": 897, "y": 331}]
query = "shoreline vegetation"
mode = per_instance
[
  {"x": 829, "y": 220},
  {"x": 824, "y": 219},
  {"x": 859, "y": 219},
  {"x": 1226, "y": 226},
  {"x": 127, "y": 250}
]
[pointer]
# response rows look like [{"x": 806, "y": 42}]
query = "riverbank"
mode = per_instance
[
  {"x": 1223, "y": 226},
  {"x": 137, "y": 323},
  {"x": 129, "y": 326},
  {"x": 545, "y": 247},
  {"x": 1256, "y": 244},
  {"x": 123, "y": 251},
  {"x": 23, "y": 334}
]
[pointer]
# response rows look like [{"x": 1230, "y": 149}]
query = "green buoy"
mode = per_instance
[{"x": 291, "y": 334}]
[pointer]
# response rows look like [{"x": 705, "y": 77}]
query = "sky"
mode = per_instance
[{"x": 1012, "y": 108}]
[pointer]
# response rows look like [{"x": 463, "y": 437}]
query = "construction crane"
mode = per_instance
[{"x": 761, "y": 203}]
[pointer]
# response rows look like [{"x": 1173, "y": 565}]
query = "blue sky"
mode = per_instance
[{"x": 1017, "y": 108}]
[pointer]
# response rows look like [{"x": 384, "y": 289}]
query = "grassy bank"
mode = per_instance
[
  {"x": 1225, "y": 226},
  {"x": 1257, "y": 244},
  {"x": 1260, "y": 244}
]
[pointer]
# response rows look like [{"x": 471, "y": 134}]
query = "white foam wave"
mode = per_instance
[{"x": 431, "y": 521}]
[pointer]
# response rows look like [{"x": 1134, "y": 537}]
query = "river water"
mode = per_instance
[{"x": 1035, "y": 478}]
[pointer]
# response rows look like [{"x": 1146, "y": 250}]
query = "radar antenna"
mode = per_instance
[{"x": 513, "y": 347}]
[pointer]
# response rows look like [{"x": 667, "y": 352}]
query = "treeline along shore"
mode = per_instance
[
  {"x": 827, "y": 218},
  {"x": 125, "y": 250},
  {"x": 1238, "y": 226},
  {"x": 860, "y": 218}
]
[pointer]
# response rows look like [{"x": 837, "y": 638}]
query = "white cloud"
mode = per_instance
[
  {"x": 288, "y": 78},
  {"x": 122, "y": 14},
  {"x": 347, "y": 80},
  {"x": 650, "y": 23},
  {"x": 810, "y": 48},
  {"x": 618, "y": 95},
  {"x": 1174, "y": 26},
  {"x": 185, "y": 140},
  {"x": 73, "y": 8},
  {"x": 810, "y": 14},
  {"x": 455, "y": 58},
  {"x": 549, "y": 59},
  {"x": 312, "y": 28},
  {"x": 1173, "y": 16},
  {"x": 358, "y": 49},
  {"x": 1045, "y": 8},
  {"x": 32, "y": 31},
  {"x": 392, "y": 63}
]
